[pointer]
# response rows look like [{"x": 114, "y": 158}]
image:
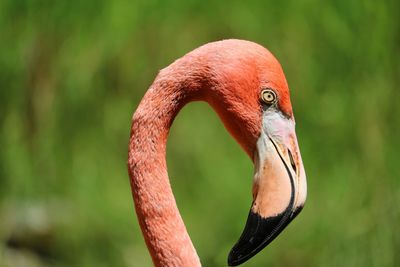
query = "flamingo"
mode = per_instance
[{"x": 245, "y": 84}]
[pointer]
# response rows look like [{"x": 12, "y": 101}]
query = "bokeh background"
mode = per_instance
[{"x": 73, "y": 72}]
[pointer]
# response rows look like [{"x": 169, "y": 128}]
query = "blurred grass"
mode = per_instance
[{"x": 72, "y": 73}]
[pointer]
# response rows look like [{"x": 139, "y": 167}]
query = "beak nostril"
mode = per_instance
[{"x": 292, "y": 161}]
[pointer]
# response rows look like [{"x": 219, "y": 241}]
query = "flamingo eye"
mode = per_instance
[{"x": 268, "y": 96}]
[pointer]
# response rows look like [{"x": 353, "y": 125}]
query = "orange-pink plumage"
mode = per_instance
[{"x": 229, "y": 75}]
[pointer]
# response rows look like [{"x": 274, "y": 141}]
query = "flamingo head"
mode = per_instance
[{"x": 251, "y": 95}]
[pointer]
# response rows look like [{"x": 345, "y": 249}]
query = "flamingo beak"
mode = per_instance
[{"x": 279, "y": 187}]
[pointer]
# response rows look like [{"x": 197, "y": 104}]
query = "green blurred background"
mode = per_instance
[{"x": 73, "y": 72}]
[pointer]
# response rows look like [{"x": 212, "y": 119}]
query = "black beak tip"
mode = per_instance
[
  {"x": 237, "y": 257},
  {"x": 234, "y": 259},
  {"x": 231, "y": 259},
  {"x": 258, "y": 233}
]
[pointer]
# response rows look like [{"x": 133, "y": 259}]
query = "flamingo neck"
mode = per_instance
[{"x": 162, "y": 226}]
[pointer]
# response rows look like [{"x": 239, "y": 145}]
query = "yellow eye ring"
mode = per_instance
[{"x": 268, "y": 96}]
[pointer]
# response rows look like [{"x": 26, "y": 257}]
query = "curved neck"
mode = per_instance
[{"x": 162, "y": 226}]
